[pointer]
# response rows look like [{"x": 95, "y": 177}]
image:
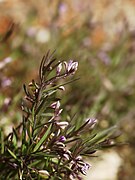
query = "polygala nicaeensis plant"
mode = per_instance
[{"x": 44, "y": 145}]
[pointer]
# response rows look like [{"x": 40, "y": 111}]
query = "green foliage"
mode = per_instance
[{"x": 44, "y": 146}]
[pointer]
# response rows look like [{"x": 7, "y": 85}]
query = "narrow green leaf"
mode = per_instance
[
  {"x": 39, "y": 144},
  {"x": 41, "y": 107},
  {"x": 46, "y": 114},
  {"x": 33, "y": 115},
  {"x": 48, "y": 93},
  {"x": 2, "y": 141},
  {"x": 102, "y": 135},
  {"x": 28, "y": 129},
  {"x": 12, "y": 154},
  {"x": 34, "y": 163},
  {"x": 14, "y": 140},
  {"x": 57, "y": 86},
  {"x": 24, "y": 142}
]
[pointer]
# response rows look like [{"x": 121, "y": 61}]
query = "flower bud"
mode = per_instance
[
  {"x": 63, "y": 124},
  {"x": 91, "y": 122},
  {"x": 44, "y": 174},
  {"x": 59, "y": 68},
  {"x": 55, "y": 105},
  {"x": 71, "y": 66},
  {"x": 62, "y": 88}
]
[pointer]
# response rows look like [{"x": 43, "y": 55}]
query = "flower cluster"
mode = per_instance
[
  {"x": 46, "y": 144},
  {"x": 70, "y": 67},
  {"x": 78, "y": 165}
]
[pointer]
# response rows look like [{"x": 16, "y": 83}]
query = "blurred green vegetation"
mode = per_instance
[{"x": 106, "y": 88}]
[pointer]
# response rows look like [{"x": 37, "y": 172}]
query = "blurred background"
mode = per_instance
[{"x": 100, "y": 35}]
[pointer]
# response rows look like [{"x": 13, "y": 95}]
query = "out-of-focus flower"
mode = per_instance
[
  {"x": 5, "y": 62},
  {"x": 62, "y": 8},
  {"x": 43, "y": 35},
  {"x": 5, "y": 82},
  {"x": 104, "y": 57},
  {"x": 6, "y": 104},
  {"x": 31, "y": 32}
]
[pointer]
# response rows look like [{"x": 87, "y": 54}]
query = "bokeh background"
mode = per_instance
[{"x": 100, "y": 35}]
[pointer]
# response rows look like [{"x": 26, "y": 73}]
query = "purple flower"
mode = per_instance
[
  {"x": 91, "y": 122},
  {"x": 62, "y": 139},
  {"x": 6, "y": 82},
  {"x": 78, "y": 165},
  {"x": 31, "y": 32},
  {"x": 5, "y": 62},
  {"x": 62, "y": 8},
  {"x": 85, "y": 168},
  {"x": 71, "y": 66}
]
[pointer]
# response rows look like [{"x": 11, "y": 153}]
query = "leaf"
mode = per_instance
[
  {"x": 24, "y": 142},
  {"x": 49, "y": 92},
  {"x": 12, "y": 154},
  {"x": 41, "y": 107},
  {"x": 102, "y": 135},
  {"x": 39, "y": 144},
  {"x": 45, "y": 64},
  {"x": 57, "y": 86},
  {"x": 29, "y": 128},
  {"x": 75, "y": 132},
  {"x": 2, "y": 141},
  {"x": 14, "y": 139},
  {"x": 47, "y": 114},
  {"x": 33, "y": 164}
]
